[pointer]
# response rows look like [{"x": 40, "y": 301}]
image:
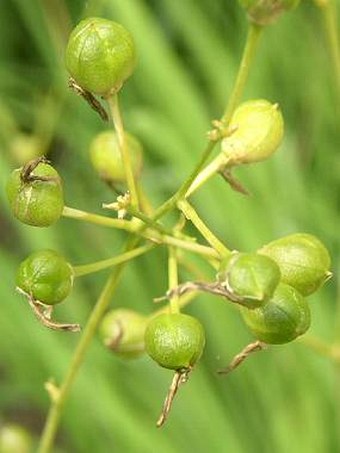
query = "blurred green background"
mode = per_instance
[{"x": 286, "y": 399}]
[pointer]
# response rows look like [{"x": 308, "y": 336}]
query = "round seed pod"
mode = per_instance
[
  {"x": 303, "y": 260},
  {"x": 250, "y": 277},
  {"x": 122, "y": 331},
  {"x": 15, "y": 439},
  {"x": 106, "y": 156},
  {"x": 283, "y": 318},
  {"x": 258, "y": 132},
  {"x": 34, "y": 201},
  {"x": 45, "y": 276},
  {"x": 264, "y": 12},
  {"x": 100, "y": 55},
  {"x": 175, "y": 341}
]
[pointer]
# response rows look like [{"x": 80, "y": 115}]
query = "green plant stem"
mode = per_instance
[
  {"x": 248, "y": 55},
  {"x": 192, "y": 215},
  {"x": 61, "y": 395},
  {"x": 86, "y": 269},
  {"x": 173, "y": 278},
  {"x": 254, "y": 34},
  {"x": 329, "y": 13},
  {"x": 142, "y": 230},
  {"x": 78, "y": 214},
  {"x": 126, "y": 158},
  {"x": 216, "y": 165}
]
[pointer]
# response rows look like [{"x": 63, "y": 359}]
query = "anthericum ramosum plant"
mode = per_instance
[
  {"x": 122, "y": 331},
  {"x": 264, "y": 12},
  {"x": 100, "y": 55},
  {"x": 106, "y": 157},
  {"x": 303, "y": 260},
  {"x": 249, "y": 278},
  {"x": 45, "y": 276},
  {"x": 35, "y": 194},
  {"x": 283, "y": 318}
]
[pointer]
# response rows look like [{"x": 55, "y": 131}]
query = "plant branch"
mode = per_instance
[
  {"x": 192, "y": 215},
  {"x": 126, "y": 158}
]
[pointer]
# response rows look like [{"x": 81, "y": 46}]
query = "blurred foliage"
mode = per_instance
[{"x": 285, "y": 399}]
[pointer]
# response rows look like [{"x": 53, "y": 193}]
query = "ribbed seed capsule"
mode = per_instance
[
  {"x": 37, "y": 197},
  {"x": 303, "y": 260},
  {"x": 122, "y": 331},
  {"x": 45, "y": 276},
  {"x": 250, "y": 277},
  {"x": 283, "y": 318},
  {"x": 106, "y": 156},
  {"x": 258, "y": 132},
  {"x": 175, "y": 341},
  {"x": 264, "y": 12},
  {"x": 100, "y": 55}
]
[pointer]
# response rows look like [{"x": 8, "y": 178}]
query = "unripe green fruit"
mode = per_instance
[
  {"x": 303, "y": 260},
  {"x": 175, "y": 341},
  {"x": 122, "y": 330},
  {"x": 263, "y": 12},
  {"x": 106, "y": 156},
  {"x": 100, "y": 55},
  {"x": 14, "y": 439},
  {"x": 251, "y": 277},
  {"x": 282, "y": 319},
  {"x": 258, "y": 132},
  {"x": 46, "y": 276},
  {"x": 36, "y": 202}
]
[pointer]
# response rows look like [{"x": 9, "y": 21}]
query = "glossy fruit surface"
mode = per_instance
[
  {"x": 282, "y": 319},
  {"x": 36, "y": 202},
  {"x": 100, "y": 55},
  {"x": 46, "y": 276},
  {"x": 303, "y": 260},
  {"x": 258, "y": 132},
  {"x": 251, "y": 277},
  {"x": 175, "y": 341},
  {"x": 106, "y": 156},
  {"x": 122, "y": 330}
]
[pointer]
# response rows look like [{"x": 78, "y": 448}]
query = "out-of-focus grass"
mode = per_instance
[{"x": 284, "y": 399}]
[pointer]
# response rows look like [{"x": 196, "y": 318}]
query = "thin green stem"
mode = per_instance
[
  {"x": 192, "y": 215},
  {"x": 61, "y": 395},
  {"x": 86, "y": 269},
  {"x": 173, "y": 278},
  {"x": 202, "y": 250},
  {"x": 248, "y": 55},
  {"x": 120, "y": 224},
  {"x": 329, "y": 13},
  {"x": 254, "y": 34},
  {"x": 124, "y": 149}
]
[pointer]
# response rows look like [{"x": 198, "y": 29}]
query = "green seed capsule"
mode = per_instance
[
  {"x": 175, "y": 341},
  {"x": 264, "y": 12},
  {"x": 122, "y": 331},
  {"x": 258, "y": 132},
  {"x": 282, "y": 319},
  {"x": 303, "y": 260},
  {"x": 250, "y": 277},
  {"x": 46, "y": 276},
  {"x": 106, "y": 156},
  {"x": 37, "y": 198},
  {"x": 100, "y": 55},
  {"x": 14, "y": 439}
]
